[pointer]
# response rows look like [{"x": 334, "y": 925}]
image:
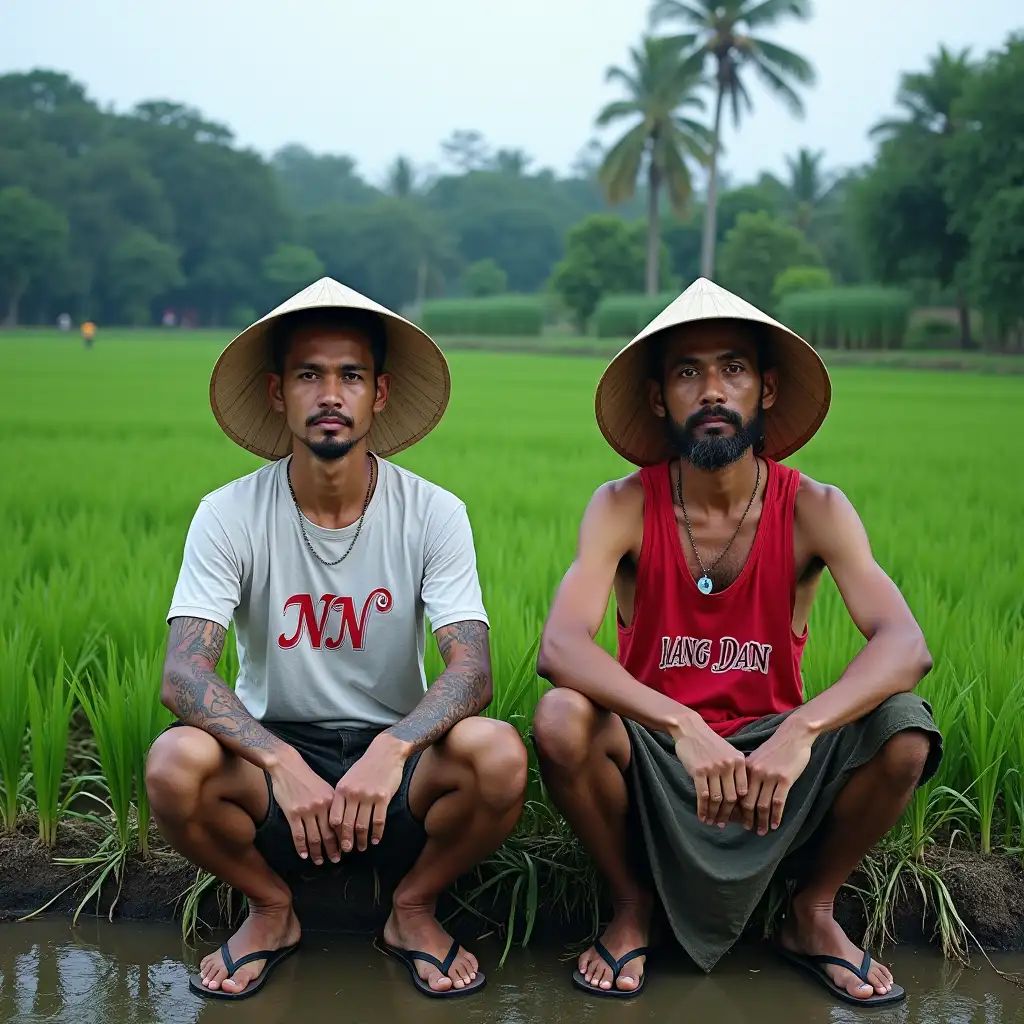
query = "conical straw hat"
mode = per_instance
[
  {"x": 622, "y": 403},
  {"x": 420, "y": 382}
]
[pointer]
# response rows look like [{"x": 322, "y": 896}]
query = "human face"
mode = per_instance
[
  {"x": 713, "y": 394},
  {"x": 327, "y": 391}
]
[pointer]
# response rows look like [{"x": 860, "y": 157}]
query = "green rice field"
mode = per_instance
[{"x": 104, "y": 455}]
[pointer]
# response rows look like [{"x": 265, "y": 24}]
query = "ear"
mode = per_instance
[
  {"x": 275, "y": 391},
  {"x": 769, "y": 388},
  {"x": 656, "y": 396},
  {"x": 383, "y": 390}
]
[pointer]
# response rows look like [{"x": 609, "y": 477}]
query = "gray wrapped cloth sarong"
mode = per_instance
[{"x": 710, "y": 880}]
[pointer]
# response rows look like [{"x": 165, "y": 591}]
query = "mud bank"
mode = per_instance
[{"x": 988, "y": 892}]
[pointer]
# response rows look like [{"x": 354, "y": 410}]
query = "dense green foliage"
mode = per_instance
[
  {"x": 850, "y": 318},
  {"x": 125, "y": 217},
  {"x": 498, "y": 316}
]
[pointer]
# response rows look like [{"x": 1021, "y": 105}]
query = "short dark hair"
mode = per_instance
[
  {"x": 758, "y": 334},
  {"x": 365, "y": 321}
]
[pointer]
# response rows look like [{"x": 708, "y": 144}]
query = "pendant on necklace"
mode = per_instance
[{"x": 704, "y": 585}]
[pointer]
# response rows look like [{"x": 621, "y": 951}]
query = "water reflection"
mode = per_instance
[{"x": 126, "y": 973}]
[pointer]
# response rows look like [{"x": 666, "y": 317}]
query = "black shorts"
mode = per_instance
[{"x": 330, "y": 753}]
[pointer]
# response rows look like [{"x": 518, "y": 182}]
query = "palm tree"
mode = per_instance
[
  {"x": 723, "y": 30},
  {"x": 927, "y": 97},
  {"x": 659, "y": 89},
  {"x": 401, "y": 178},
  {"x": 809, "y": 186}
]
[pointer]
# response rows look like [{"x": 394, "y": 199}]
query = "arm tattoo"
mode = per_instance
[
  {"x": 198, "y": 696},
  {"x": 462, "y": 690}
]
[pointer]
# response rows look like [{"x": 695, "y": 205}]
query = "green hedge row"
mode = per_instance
[
  {"x": 517, "y": 316},
  {"x": 625, "y": 316},
  {"x": 849, "y": 318}
]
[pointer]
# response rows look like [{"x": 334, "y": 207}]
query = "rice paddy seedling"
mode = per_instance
[
  {"x": 106, "y": 701},
  {"x": 625, "y": 316},
  {"x": 50, "y": 708},
  {"x": 17, "y": 655}
]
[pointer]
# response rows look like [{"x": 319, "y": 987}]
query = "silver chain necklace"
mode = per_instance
[
  {"x": 362, "y": 515},
  {"x": 704, "y": 584}
]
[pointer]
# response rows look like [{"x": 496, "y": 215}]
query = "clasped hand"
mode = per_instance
[
  {"x": 331, "y": 821},
  {"x": 751, "y": 790}
]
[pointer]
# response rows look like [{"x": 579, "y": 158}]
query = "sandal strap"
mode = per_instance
[
  {"x": 860, "y": 972},
  {"x": 260, "y": 954},
  {"x": 229, "y": 965},
  {"x": 617, "y": 965}
]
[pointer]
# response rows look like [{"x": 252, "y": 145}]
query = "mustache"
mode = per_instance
[
  {"x": 713, "y": 412},
  {"x": 339, "y": 416}
]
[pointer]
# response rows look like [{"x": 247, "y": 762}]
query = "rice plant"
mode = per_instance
[
  {"x": 50, "y": 707},
  {"x": 499, "y": 316},
  {"x": 17, "y": 655}
]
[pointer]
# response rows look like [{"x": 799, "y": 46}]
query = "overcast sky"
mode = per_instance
[{"x": 374, "y": 78}]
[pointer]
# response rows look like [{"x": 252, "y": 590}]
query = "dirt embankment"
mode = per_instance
[{"x": 988, "y": 893}]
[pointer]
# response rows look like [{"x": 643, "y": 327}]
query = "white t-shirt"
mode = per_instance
[{"x": 337, "y": 646}]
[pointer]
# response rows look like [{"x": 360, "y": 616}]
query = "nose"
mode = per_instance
[{"x": 714, "y": 392}]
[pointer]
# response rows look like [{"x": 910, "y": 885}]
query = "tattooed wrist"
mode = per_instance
[
  {"x": 199, "y": 697},
  {"x": 462, "y": 690}
]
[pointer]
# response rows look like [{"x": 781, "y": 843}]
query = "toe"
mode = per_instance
[
  {"x": 626, "y": 982},
  {"x": 877, "y": 977},
  {"x": 438, "y": 981},
  {"x": 859, "y": 989}
]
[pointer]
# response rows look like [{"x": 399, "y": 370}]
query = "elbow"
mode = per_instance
[
  {"x": 550, "y": 656},
  {"x": 924, "y": 661},
  {"x": 486, "y": 693}
]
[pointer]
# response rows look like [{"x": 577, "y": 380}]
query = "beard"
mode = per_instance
[
  {"x": 715, "y": 451},
  {"x": 330, "y": 449}
]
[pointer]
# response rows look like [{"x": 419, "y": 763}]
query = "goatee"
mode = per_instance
[
  {"x": 329, "y": 449},
  {"x": 715, "y": 451}
]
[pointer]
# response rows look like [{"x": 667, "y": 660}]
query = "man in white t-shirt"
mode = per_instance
[{"x": 327, "y": 561}]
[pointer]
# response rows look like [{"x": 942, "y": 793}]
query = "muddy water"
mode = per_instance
[{"x": 98, "y": 973}]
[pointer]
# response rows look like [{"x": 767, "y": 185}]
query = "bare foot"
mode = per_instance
[
  {"x": 418, "y": 928},
  {"x": 264, "y": 928},
  {"x": 811, "y": 929},
  {"x": 627, "y": 931}
]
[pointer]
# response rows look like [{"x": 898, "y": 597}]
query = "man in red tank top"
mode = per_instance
[{"x": 696, "y": 740}]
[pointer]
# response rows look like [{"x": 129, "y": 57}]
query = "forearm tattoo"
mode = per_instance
[
  {"x": 462, "y": 690},
  {"x": 198, "y": 696}
]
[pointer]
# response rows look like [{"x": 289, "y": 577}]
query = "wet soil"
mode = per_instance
[{"x": 988, "y": 892}]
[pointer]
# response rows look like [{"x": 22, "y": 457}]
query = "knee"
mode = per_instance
[
  {"x": 903, "y": 758},
  {"x": 497, "y": 758},
  {"x": 562, "y": 726},
  {"x": 179, "y": 762}
]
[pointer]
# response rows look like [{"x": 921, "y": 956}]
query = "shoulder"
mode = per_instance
[
  {"x": 417, "y": 496},
  {"x": 824, "y": 514},
  {"x": 235, "y": 502},
  {"x": 614, "y": 519}
]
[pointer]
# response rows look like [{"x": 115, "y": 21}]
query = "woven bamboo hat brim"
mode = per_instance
[
  {"x": 622, "y": 403},
  {"x": 420, "y": 381}
]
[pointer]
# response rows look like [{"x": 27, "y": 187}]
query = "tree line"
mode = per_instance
[{"x": 121, "y": 216}]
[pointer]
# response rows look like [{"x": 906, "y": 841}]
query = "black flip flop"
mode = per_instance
[
  {"x": 814, "y": 966},
  {"x": 580, "y": 980},
  {"x": 409, "y": 958},
  {"x": 272, "y": 956}
]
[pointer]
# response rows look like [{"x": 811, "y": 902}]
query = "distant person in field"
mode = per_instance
[
  {"x": 88, "y": 333},
  {"x": 332, "y": 745},
  {"x": 696, "y": 740}
]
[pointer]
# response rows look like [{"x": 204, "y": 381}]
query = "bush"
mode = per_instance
[
  {"x": 794, "y": 280},
  {"x": 499, "y": 316},
  {"x": 850, "y": 318},
  {"x": 931, "y": 331},
  {"x": 484, "y": 278},
  {"x": 625, "y": 316}
]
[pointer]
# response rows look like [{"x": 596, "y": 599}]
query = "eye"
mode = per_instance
[
  {"x": 352, "y": 375},
  {"x": 688, "y": 371},
  {"x": 307, "y": 375},
  {"x": 735, "y": 368}
]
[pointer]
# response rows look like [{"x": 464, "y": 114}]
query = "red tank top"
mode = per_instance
[{"x": 731, "y": 655}]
